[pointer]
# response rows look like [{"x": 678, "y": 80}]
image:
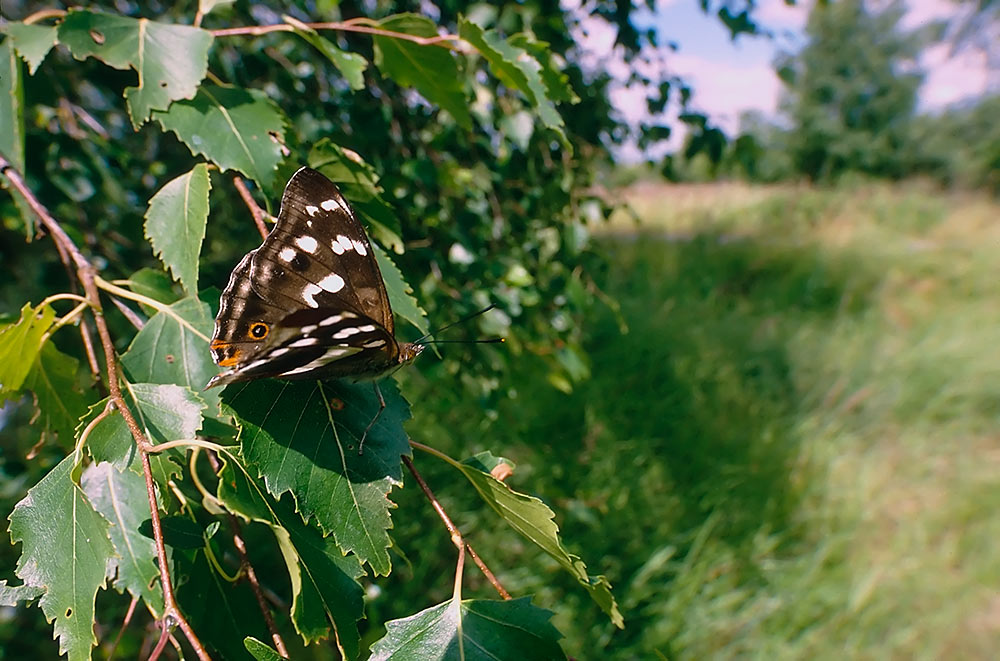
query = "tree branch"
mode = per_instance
[
  {"x": 456, "y": 535},
  {"x": 86, "y": 273},
  {"x": 255, "y": 210},
  {"x": 344, "y": 26}
]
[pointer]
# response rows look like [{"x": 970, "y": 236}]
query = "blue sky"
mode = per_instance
[{"x": 731, "y": 77}]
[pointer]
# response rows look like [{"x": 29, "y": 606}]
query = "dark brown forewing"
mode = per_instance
[
  {"x": 239, "y": 306},
  {"x": 318, "y": 255}
]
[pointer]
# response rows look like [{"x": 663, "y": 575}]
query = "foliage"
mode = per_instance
[
  {"x": 851, "y": 92},
  {"x": 130, "y": 128}
]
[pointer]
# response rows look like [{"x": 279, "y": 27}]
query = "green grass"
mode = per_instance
[{"x": 793, "y": 452}]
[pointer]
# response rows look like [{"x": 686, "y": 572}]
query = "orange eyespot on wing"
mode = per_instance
[{"x": 258, "y": 330}]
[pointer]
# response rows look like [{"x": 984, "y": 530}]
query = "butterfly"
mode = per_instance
[{"x": 310, "y": 302}]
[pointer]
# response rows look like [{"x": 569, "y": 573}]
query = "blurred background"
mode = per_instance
[{"x": 752, "y": 318}]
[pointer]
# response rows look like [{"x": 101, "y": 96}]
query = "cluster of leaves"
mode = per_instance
[{"x": 280, "y": 458}]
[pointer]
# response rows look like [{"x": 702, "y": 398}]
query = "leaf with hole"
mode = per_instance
[
  {"x": 472, "y": 630},
  {"x": 234, "y": 128},
  {"x": 65, "y": 551},
  {"x": 175, "y": 224},
  {"x": 302, "y": 438},
  {"x": 170, "y": 59}
]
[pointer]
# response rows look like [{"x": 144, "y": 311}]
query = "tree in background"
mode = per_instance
[{"x": 851, "y": 92}]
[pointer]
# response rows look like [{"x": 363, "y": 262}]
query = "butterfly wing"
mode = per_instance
[
  {"x": 310, "y": 301},
  {"x": 318, "y": 254}
]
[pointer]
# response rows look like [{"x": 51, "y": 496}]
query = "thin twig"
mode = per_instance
[
  {"x": 255, "y": 210},
  {"x": 87, "y": 274},
  {"x": 258, "y": 30},
  {"x": 125, "y": 623},
  {"x": 248, "y": 571},
  {"x": 456, "y": 536}
]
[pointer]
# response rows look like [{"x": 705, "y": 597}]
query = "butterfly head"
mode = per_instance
[{"x": 408, "y": 352}]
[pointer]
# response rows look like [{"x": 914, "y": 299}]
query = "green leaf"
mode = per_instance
[
  {"x": 58, "y": 400},
  {"x": 65, "y": 551},
  {"x": 533, "y": 520},
  {"x": 261, "y": 651},
  {"x": 292, "y": 436},
  {"x": 170, "y": 59},
  {"x": 358, "y": 181},
  {"x": 431, "y": 70},
  {"x": 12, "y": 595},
  {"x": 351, "y": 65},
  {"x": 556, "y": 82},
  {"x": 472, "y": 630},
  {"x": 20, "y": 344},
  {"x": 206, "y": 6},
  {"x": 165, "y": 412},
  {"x": 400, "y": 293},
  {"x": 12, "y": 128},
  {"x": 122, "y": 499},
  {"x": 172, "y": 348},
  {"x": 175, "y": 224},
  {"x": 516, "y": 69},
  {"x": 154, "y": 284},
  {"x": 325, "y": 590},
  {"x": 222, "y": 613},
  {"x": 32, "y": 42},
  {"x": 11, "y": 107},
  {"x": 234, "y": 128},
  {"x": 179, "y": 532}
]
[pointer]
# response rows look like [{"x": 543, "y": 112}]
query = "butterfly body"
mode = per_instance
[{"x": 310, "y": 302}]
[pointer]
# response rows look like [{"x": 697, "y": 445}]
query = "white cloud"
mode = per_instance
[
  {"x": 952, "y": 77},
  {"x": 723, "y": 90}
]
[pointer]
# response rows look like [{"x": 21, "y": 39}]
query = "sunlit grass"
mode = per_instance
[{"x": 794, "y": 452}]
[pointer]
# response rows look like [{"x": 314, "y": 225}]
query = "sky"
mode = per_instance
[{"x": 732, "y": 77}]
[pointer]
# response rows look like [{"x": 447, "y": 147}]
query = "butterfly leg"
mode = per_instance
[{"x": 381, "y": 407}]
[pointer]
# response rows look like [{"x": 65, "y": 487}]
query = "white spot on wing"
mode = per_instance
[
  {"x": 330, "y": 205},
  {"x": 374, "y": 344},
  {"x": 360, "y": 247},
  {"x": 366, "y": 329},
  {"x": 309, "y": 292},
  {"x": 337, "y": 248},
  {"x": 279, "y": 352},
  {"x": 304, "y": 342},
  {"x": 308, "y": 329},
  {"x": 331, "y": 320},
  {"x": 287, "y": 254},
  {"x": 311, "y": 210},
  {"x": 332, "y": 283},
  {"x": 307, "y": 243},
  {"x": 346, "y": 243},
  {"x": 345, "y": 333}
]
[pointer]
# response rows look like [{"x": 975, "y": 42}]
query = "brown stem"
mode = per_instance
[
  {"x": 456, "y": 536},
  {"x": 125, "y": 623},
  {"x": 86, "y": 273},
  {"x": 257, "y": 30},
  {"x": 255, "y": 210},
  {"x": 247, "y": 569}
]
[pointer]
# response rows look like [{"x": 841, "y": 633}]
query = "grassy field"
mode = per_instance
[{"x": 794, "y": 452}]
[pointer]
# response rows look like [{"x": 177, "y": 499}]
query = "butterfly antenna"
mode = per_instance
[{"x": 456, "y": 323}]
